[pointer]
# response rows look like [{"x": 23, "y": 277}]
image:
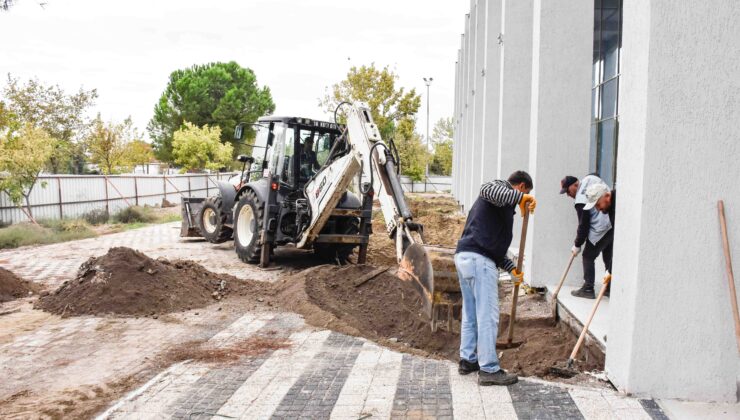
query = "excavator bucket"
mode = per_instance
[{"x": 431, "y": 270}]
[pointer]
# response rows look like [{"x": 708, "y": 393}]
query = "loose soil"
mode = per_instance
[
  {"x": 127, "y": 282},
  {"x": 387, "y": 310},
  {"x": 248, "y": 347},
  {"x": 13, "y": 287},
  {"x": 442, "y": 220}
]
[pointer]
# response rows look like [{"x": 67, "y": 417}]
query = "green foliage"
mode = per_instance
[
  {"x": 377, "y": 88},
  {"x": 195, "y": 148},
  {"x": 216, "y": 94},
  {"x": 23, "y": 155},
  {"x": 135, "y": 214},
  {"x": 393, "y": 109},
  {"x": 413, "y": 153},
  {"x": 442, "y": 139},
  {"x": 49, "y": 232},
  {"x": 115, "y": 147},
  {"x": 61, "y": 115},
  {"x": 96, "y": 217}
]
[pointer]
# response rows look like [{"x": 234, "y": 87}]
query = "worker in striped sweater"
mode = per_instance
[{"x": 480, "y": 254}]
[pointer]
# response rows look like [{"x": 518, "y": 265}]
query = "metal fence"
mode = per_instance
[
  {"x": 431, "y": 184},
  {"x": 70, "y": 196}
]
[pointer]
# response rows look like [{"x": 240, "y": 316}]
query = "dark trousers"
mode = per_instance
[{"x": 590, "y": 252}]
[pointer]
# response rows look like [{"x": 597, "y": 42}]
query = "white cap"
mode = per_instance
[{"x": 593, "y": 193}]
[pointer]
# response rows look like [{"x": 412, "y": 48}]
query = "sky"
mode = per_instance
[{"x": 127, "y": 49}]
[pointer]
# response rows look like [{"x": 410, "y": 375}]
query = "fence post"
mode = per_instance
[
  {"x": 136, "y": 190},
  {"x": 164, "y": 187},
  {"x": 207, "y": 179},
  {"x": 190, "y": 191},
  {"x": 107, "y": 202},
  {"x": 59, "y": 190}
]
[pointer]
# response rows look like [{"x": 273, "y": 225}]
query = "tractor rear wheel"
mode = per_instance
[
  {"x": 212, "y": 219},
  {"x": 248, "y": 221}
]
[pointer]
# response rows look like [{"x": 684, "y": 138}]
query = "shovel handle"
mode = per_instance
[
  {"x": 590, "y": 318},
  {"x": 519, "y": 263},
  {"x": 728, "y": 267}
]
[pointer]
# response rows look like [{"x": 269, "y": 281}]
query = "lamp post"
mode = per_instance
[{"x": 428, "y": 82}]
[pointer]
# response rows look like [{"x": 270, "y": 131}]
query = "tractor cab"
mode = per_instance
[{"x": 291, "y": 149}]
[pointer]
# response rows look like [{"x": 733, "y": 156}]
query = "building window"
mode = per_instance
[{"x": 605, "y": 89}]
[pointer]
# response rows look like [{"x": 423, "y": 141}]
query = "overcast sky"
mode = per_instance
[{"x": 127, "y": 49}]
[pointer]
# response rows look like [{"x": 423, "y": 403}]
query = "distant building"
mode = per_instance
[{"x": 647, "y": 93}]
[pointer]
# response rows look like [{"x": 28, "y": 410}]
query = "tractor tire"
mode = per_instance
[
  {"x": 248, "y": 221},
  {"x": 339, "y": 252},
  {"x": 211, "y": 221}
]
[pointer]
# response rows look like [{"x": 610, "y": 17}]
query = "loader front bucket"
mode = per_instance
[
  {"x": 431, "y": 270},
  {"x": 189, "y": 211}
]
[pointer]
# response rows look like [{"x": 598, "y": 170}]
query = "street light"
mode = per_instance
[{"x": 428, "y": 83}]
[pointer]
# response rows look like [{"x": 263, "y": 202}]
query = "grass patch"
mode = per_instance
[
  {"x": 135, "y": 214},
  {"x": 49, "y": 232}
]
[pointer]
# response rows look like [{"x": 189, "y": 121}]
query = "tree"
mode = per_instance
[
  {"x": 116, "y": 147},
  {"x": 60, "y": 114},
  {"x": 23, "y": 155},
  {"x": 215, "y": 94},
  {"x": 393, "y": 109},
  {"x": 412, "y": 151},
  {"x": 378, "y": 89},
  {"x": 137, "y": 152},
  {"x": 442, "y": 140},
  {"x": 195, "y": 148}
]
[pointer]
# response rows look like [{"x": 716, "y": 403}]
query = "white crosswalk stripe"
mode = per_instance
[{"x": 262, "y": 392}]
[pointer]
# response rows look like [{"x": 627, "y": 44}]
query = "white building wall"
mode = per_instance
[
  {"x": 559, "y": 127},
  {"x": 491, "y": 69},
  {"x": 671, "y": 332},
  {"x": 479, "y": 96}
]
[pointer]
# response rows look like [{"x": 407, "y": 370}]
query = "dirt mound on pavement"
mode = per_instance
[
  {"x": 127, "y": 282},
  {"x": 387, "y": 310},
  {"x": 14, "y": 287}
]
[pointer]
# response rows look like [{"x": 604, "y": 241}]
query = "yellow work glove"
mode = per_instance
[
  {"x": 527, "y": 199},
  {"x": 607, "y": 278},
  {"x": 517, "y": 276}
]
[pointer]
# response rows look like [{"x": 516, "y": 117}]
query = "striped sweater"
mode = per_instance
[{"x": 488, "y": 230}]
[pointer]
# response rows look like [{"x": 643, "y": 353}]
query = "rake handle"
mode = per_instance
[
  {"x": 728, "y": 266},
  {"x": 519, "y": 263},
  {"x": 588, "y": 323},
  {"x": 562, "y": 278}
]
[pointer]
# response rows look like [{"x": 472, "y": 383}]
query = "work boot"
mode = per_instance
[
  {"x": 497, "y": 378},
  {"x": 466, "y": 367},
  {"x": 585, "y": 292}
]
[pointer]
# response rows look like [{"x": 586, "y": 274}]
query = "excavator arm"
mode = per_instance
[{"x": 430, "y": 269}]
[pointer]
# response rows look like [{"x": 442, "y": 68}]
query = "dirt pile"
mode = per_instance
[
  {"x": 127, "y": 282},
  {"x": 14, "y": 287},
  {"x": 387, "y": 310},
  {"x": 440, "y": 216}
]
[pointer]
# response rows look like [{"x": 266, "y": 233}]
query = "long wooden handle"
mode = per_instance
[
  {"x": 728, "y": 266},
  {"x": 588, "y": 321},
  {"x": 562, "y": 278},
  {"x": 519, "y": 263}
]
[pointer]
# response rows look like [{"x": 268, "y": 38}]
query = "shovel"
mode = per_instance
[
  {"x": 560, "y": 285},
  {"x": 568, "y": 371},
  {"x": 510, "y": 343}
]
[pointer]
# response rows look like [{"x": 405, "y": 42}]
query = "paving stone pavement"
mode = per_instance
[
  {"x": 323, "y": 375},
  {"x": 327, "y": 375}
]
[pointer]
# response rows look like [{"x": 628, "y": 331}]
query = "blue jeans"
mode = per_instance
[{"x": 478, "y": 278}]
